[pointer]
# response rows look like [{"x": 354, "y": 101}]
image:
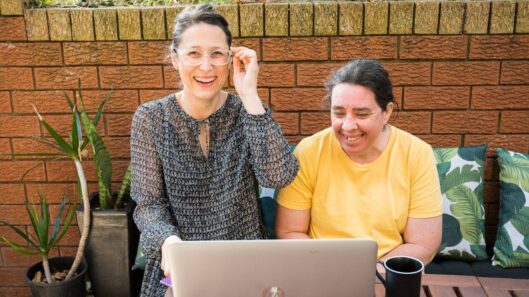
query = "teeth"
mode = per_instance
[
  {"x": 205, "y": 79},
  {"x": 353, "y": 138}
]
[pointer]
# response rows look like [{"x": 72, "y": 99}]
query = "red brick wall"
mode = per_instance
[{"x": 452, "y": 90}]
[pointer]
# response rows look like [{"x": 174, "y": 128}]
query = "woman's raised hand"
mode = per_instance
[{"x": 245, "y": 71}]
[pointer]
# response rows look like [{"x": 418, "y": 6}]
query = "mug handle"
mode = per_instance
[{"x": 379, "y": 276}]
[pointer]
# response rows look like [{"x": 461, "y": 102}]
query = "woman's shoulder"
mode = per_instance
[
  {"x": 154, "y": 107},
  {"x": 315, "y": 143},
  {"x": 407, "y": 139}
]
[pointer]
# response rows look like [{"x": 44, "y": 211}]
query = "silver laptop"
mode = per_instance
[{"x": 274, "y": 268}]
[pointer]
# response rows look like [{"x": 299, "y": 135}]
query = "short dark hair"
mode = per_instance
[
  {"x": 366, "y": 73},
  {"x": 192, "y": 15}
]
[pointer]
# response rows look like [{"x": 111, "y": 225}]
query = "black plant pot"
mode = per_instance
[
  {"x": 74, "y": 287},
  {"x": 111, "y": 250}
]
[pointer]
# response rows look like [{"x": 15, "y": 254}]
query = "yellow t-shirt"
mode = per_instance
[{"x": 347, "y": 199}]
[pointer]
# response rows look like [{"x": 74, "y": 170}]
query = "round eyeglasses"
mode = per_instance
[{"x": 195, "y": 57}]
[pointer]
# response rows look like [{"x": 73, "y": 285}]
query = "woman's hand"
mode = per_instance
[
  {"x": 165, "y": 258},
  {"x": 245, "y": 72}
]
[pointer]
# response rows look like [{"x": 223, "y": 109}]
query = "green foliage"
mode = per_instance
[
  {"x": 43, "y": 241},
  {"x": 468, "y": 210}
]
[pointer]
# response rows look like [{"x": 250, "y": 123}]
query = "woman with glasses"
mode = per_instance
[
  {"x": 362, "y": 177},
  {"x": 198, "y": 155}
]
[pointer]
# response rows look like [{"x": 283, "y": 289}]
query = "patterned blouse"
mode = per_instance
[{"x": 181, "y": 192}]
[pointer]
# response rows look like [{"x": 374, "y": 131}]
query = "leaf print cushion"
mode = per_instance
[
  {"x": 461, "y": 175},
  {"x": 511, "y": 248}
]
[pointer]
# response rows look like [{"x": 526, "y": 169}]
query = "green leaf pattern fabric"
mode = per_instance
[
  {"x": 461, "y": 174},
  {"x": 511, "y": 248}
]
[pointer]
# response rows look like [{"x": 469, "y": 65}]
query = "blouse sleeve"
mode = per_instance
[
  {"x": 152, "y": 214},
  {"x": 274, "y": 164}
]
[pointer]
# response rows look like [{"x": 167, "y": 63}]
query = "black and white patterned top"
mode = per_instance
[{"x": 181, "y": 192}]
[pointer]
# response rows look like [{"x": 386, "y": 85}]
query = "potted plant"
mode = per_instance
[
  {"x": 50, "y": 277},
  {"x": 113, "y": 237}
]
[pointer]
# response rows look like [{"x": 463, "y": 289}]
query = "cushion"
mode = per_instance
[
  {"x": 511, "y": 248},
  {"x": 461, "y": 175}
]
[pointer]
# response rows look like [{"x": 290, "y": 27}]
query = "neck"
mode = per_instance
[{"x": 200, "y": 109}]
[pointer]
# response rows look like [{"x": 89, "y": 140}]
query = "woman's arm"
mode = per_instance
[
  {"x": 421, "y": 239},
  {"x": 291, "y": 223}
]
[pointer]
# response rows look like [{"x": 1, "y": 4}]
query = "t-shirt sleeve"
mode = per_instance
[
  {"x": 426, "y": 199},
  {"x": 298, "y": 195}
]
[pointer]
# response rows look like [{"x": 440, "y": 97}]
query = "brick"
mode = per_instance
[
  {"x": 5, "y": 149},
  {"x": 517, "y": 143},
  {"x": 294, "y": 139},
  {"x": 436, "y": 97},
  {"x": 119, "y": 147},
  {"x": 253, "y": 43},
  {"x": 477, "y": 17},
  {"x": 231, "y": 13},
  {"x": 30, "y": 54},
  {"x": 30, "y": 146},
  {"x": 252, "y": 22},
  {"x": 433, "y": 47},
  {"x": 325, "y": 18},
  {"x": 515, "y": 72},
  {"x": 402, "y": 74},
  {"x": 445, "y": 140},
  {"x": 170, "y": 17},
  {"x": 351, "y": 16},
  {"x": 12, "y": 276},
  {"x": 10, "y": 234},
  {"x": 153, "y": 23},
  {"x": 44, "y": 101},
  {"x": 11, "y": 7},
  {"x": 415, "y": 122},
  {"x": 36, "y": 24},
  {"x": 14, "y": 126},
  {"x": 119, "y": 100},
  {"x": 61, "y": 30},
  {"x": 276, "y": 19},
  {"x": 65, "y": 77},
  {"x": 500, "y": 97},
  {"x": 68, "y": 251},
  {"x": 312, "y": 122},
  {"x": 59, "y": 171},
  {"x": 315, "y": 74},
  {"x": 522, "y": 17},
  {"x": 171, "y": 78},
  {"x": 129, "y": 24},
  {"x": 152, "y": 52},
  {"x": 376, "y": 18},
  {"x": 95, "y": 53},
  {"x": 368, "y": 47},
  {"x": 513, "y": 122},
  {"x": 400, "y": 17},
  {"x": 301, "y": 19},
  {"x": 106, "y": 24},
  {"x": 127, "y": 77},
  {"x": 12, "y": 28},
  {"x": 499, "y": 47},
  {"x": 502, "y": 17},
  {"x": 451, "y": 19},
  {"x": 397, "y": 94},
  {"x": 62, "y": 124},
  {"x": 13, "y": 259},
  {"x": 12, "y": 78},
  {"x": 276, "y": 75},
  {"x": 289, "y": 122},
  {"x": 149, "y": 95},
  {"x": 478, "y": 122},
  {"x": 492, "y": 170},
  {"x": 82, "y": 28},
  {"x": 465, "y": 73},
  {"x": 298, "y": 99},
  {"x": 13, "y": 171},
  {"x": 52, "y": 191},
  {"x": 71, "y": 237},
  {"x": 119, "y": 124},
  {"x": 294, "y": 49},
  {"x": 5, "y": 103},
  {"x": 426, "y": 17}
]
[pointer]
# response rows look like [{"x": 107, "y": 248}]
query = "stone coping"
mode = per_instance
[{"x": 276, "y": 19}]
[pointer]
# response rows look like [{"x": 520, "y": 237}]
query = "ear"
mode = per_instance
[
  {"x": 388, "y": 112},
  {"x": 174, "y": 60}
]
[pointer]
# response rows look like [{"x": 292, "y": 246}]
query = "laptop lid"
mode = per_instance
[{"x": 274, "y": 268}]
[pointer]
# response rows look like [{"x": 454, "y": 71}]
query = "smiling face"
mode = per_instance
[
  {"x": 358, "y": 121},
  {"x": 203, "y": 81}
]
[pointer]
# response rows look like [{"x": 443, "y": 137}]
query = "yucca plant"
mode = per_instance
[{"x": 42, "y": 241}]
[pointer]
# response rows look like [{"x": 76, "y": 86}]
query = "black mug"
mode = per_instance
[{"x": 403, "y": 276}]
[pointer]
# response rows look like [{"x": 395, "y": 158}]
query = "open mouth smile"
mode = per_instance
[
  {"x": 352, "y": 139},
  {"x": 205, "y": 80}
]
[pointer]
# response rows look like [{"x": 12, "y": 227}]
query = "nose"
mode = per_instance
[
  {"x": 205, "y": 64},
  {"x": 349, "y": 124}
]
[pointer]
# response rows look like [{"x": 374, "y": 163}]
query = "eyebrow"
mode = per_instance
[{"x": 361, "y": 109}]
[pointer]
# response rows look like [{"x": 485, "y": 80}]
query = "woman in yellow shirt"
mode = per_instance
[{"x": 362, "y": 177}]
